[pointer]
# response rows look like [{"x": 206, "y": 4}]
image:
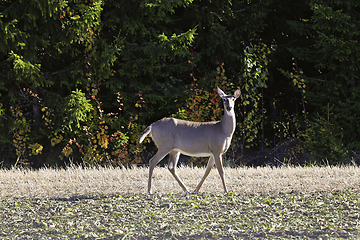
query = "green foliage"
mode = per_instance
[
  {"x": 252, "y": 82},
  {"x": 288, "y": 126},
  {"x": 324, "y": 141},
  {"x": 24, "y": 70},
  {"x": 154, "y": 57},
  {"x": 180, "y": 114},
  {"x": 22, "y": 140},
  {"x": 177, "y": 45},
  {"x": 77, "y": 109},
  {"x": 331, "y": 48},
  {"x": 21, "y": 131},
  {"x": 63, "y": 65},
  {"x": 98, "y": 139}
]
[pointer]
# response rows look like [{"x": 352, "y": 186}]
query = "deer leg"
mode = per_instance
[
  {"x": 219, "y": 166},
  {"x": 210, "y": 164},
  {"x": 152, "y": 163},
  {"x": 174, "y": 158}
]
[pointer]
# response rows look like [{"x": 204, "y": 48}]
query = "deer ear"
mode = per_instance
[
  {"x": 221, "y": 93},
  {"x": 237, "y": 93}
]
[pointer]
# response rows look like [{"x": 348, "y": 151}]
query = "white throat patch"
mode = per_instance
[{"x": 230, "y": 114}]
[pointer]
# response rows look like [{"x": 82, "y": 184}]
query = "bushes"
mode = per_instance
[
  {"x": 82, "y": 79},
  {"x": 324, "y": 141}
]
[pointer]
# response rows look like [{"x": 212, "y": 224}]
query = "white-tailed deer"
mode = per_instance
[{"x": 198, "y": 139}]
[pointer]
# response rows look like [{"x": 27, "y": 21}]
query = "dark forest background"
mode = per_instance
[{"x": 80, "y": 80}]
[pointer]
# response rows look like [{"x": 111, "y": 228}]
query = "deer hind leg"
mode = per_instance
[
  {"x": 210, "y": 164},
  {"x": 152, "y": 163},
  {"x": 174, "y": 158},
  {"x": 219, "y": 166}
]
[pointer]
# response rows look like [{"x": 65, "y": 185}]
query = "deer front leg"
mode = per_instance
[
  {"x": 219, "y": 166},
  {"x": 174, "y": 158},
  {"x": 210, "y": 164},
  {"x": 152, "y": 163}
]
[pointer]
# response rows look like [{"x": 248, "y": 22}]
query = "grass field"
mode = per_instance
[{"x": 265, "y": 203}]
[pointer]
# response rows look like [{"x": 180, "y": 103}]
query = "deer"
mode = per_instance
[{"x": 197, "y": 139}]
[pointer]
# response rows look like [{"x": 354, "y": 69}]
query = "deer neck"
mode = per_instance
[{"x": 228, "y": 123}]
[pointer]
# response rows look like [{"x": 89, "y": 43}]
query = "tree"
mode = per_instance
[
  {"x": 45, "y": 53},
  {"x": 82, "y": 79},
  {"x": 328, "y": 63}
]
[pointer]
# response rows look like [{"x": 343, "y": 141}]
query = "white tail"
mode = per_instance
[
  {"x": 199, "y": 139},
  {"x": 147, "y": 131}
]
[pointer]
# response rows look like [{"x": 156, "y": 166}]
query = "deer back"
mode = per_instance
[{"x": 190, "y": 138}]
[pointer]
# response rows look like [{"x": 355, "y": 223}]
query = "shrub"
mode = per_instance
[{"x": 324, "y": 141}]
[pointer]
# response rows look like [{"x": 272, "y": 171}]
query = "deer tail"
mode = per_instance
[{"x": 146, "y": 132}]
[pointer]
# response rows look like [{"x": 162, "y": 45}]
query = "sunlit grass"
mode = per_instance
[
  {"x": 111, "y": 203},
  {"x": 77, "y": 180}
]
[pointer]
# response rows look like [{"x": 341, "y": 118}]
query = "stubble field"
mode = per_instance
[{"x": 111, "y": 203}]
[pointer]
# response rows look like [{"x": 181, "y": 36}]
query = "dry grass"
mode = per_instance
[
  {"x": 320, "y": 202},
  {"x": 74, "y": 181}
]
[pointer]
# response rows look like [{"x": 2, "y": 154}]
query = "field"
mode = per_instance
[{"x": 264, "y": 203}]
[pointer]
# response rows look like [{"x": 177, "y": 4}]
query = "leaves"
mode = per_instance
[
  {"x": 331, "y": 48},
  {"x": 77, "y": 108},
  {"x": 253, "y": 80},
  {"x": 165, "y": 57}
]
